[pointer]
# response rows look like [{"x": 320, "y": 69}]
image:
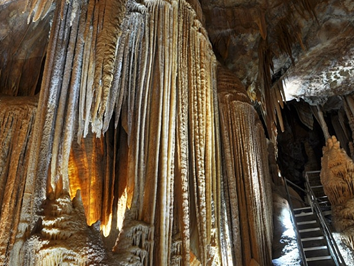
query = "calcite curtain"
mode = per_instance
[{"x": 126, "y": 141}]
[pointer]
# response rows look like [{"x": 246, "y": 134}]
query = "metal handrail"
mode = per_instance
[
  {"x": 298, "y": 239},
  {"x": 333, "y": 247}
]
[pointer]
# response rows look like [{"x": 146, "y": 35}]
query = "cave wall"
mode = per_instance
[{"x": 139, "y": 149}]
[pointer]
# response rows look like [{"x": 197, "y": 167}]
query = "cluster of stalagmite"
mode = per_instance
[
  {"x": 130, "y": 122},
  {"x": 337, "y": 177}
]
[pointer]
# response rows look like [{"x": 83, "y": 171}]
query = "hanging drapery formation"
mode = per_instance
[
  {"x": 337, "y": 177},
  {"x": 287, "y": 33},
  {"x": 247, "y": 182},
  {"x": 55, "y": 126},
  {"x": 127, "y": 142},
  {"x": 16, "y": 123},
  {"x": 272, "y": 96},
  {"x": 171, "y": 179}
]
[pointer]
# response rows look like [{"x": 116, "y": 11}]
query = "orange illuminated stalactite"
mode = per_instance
[{"x": 86, "y": 173}]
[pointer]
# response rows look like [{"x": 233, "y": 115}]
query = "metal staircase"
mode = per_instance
[{"x": 316, "y": 244}]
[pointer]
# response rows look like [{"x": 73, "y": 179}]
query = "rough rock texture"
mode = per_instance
[
  {"x": 337, "y": 177},
  {"x": 309, "y": 43},
  {"x": 61, "y": 236}
]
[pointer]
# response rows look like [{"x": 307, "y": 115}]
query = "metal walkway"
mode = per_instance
[{"x": 316, "y": 244}]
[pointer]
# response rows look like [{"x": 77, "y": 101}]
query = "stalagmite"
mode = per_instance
[{"x": 337, "y": 177}]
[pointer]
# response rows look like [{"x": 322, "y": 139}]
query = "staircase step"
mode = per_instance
[
  {"x": 306, "y": 222},
  {"x": 323, "y": 197},
  {"x": 303, "y": 208},
  {"x": 319, "y": 258},
  {"x": 317, "y": 253},
  {"x": 315, "y": 248},
  {"x": 303, "y": 214},
  {"x": 309, "y": 230},
  {"x": 312, "y": 233},
  {"x": 312, "y": 238},
  {"x": 323, "y": 202}
]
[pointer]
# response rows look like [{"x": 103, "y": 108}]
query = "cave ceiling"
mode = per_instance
[{"x": 309, "y": 44}]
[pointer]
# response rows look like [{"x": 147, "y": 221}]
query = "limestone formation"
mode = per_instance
[
  {"x": 126, "y": 141},
  {"x": 128, "y": 115},
  {"x": 337, "y": 177},
  {"x": 247, "y": 181}
]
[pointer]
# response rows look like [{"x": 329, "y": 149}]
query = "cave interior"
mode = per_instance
[{"x": 158, "y": 132}]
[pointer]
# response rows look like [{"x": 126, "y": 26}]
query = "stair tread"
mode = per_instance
[
  {"x": 317, "y": 186},
  {"x": 309, "y": 230},
  {"x": 302, "y": 208},
  {"x": 306, "y": 222},
  {"x": 319, "y": 258},
  {"x": 315, "y": 248},
  {"x": 312, "y": 238},
  {"x": 303, "y": 214}
]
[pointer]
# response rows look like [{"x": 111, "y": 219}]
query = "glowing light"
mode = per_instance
[
  {"x": 122, "y": 205},
  {"x": 294, "y": 87},
  {"x": 106, "y": 228}
]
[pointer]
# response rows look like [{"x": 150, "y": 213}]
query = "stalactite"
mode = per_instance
[
  {"x": 318, "y": 114},
  {"x": 262, "y": 25},
  {"x": 87, "y": 174},
  {"x": 16, "y": 123},
  {"x": 148, "y": 116},
  {"x": 59, "y": 161},
  {"x": 271, "y": 96},
  {"x": 246, "y": 173},
  {"x": 175, "y": 201},
  {"x": 287, "y": 33},
  {"x": 59, "y": 98}
]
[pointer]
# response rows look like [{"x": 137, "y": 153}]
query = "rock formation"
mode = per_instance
[
  {"x": 125, "y": 138},
  {"x": 135, "y": 132},
  {"x": 337, "y": 177},
  {"x": 247, "y": 180}
]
